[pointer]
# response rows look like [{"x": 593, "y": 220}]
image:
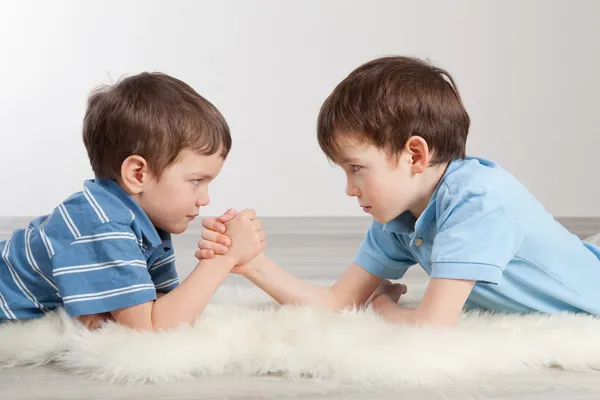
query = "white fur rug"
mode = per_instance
[{"x": 243, "y": 332}]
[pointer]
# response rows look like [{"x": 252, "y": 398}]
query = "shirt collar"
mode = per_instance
[
  {"x": 406, "y": 223},
  {"x": 154, "y": 235}
]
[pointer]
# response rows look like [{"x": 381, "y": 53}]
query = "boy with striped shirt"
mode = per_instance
[{"x": 105, "y": 252}]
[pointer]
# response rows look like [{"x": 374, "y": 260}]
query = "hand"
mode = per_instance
[
  {"x": 247, "y": 237},
  {"x": 392, "y": 291},
  {"x": 94, "y": 321},
  {"x": 247, "y": 268},
  {"x": 214, "y": 241}
]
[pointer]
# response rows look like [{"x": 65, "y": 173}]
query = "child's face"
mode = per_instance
[
  {"x": 175, "y": 200},
  {"x": 385, "y": 187}
]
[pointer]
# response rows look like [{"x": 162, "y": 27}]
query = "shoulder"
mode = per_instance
[
  {"x": 474, "y": 188},
  {"x": 91, "y": 211}
]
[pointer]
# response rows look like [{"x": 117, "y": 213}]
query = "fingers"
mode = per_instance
[
  {"x": 228, "y": 216},
  {"x": 402, "y": 288},
  {"x": 213, "y": 247},
  {"x": 395, "y": 291},
  {"x": 215, "y": 237},
  {"x": 262, "y": 235},
  {"x": 396, "y": 288},
  {"x": 83, "y": 320},
  {"x": 204, "y": 254},
  {"x": 103, "y": 318},
  {"x": 94, "y": 321},
  {"x": 211, "y": 223},
  {"x": 248, "y": 213}
]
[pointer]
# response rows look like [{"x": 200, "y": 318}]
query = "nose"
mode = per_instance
[
  {"x": 202, "y": 200},
  {"x": 351, "y": 190}
]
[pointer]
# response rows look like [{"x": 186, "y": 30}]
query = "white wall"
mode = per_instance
[{"x": 528, "y": 72}]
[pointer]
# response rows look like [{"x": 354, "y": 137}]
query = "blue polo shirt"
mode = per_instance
[
  {"x": 96, "y": 252},
  {"x": 482, "y": 224}
]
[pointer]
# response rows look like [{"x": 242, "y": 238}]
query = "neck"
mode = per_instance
[{"x": 431, "y": 179}]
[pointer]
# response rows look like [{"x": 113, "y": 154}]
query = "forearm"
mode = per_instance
[
  {"x": 186, "y": 302},
  {"x": 393, "y": 312},
  {"x": 286, "y": 288},
  {"x": 422, "y": 316}
]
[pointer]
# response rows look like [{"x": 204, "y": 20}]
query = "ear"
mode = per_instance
[
  {"x": 135, "y": 174},
  {"x": 418, "y": 149}
]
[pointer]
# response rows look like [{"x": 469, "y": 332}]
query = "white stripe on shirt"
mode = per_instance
[
  {"x": 98, "y": 266},
  {"x": 167, "y": 260},
  {"x": 5, "y": 308},
  {"x": 45, "y": 239},
  {"x": 68, "y": 221},
  {"x": 95, "y": 205},
  {"x": 31, "y": 259},
  {"x": 106, "y": 236},
  {"x": 16, "y": 278},
  {"x": 168, "y": 283},
  {"x": 108, "y": 293}
]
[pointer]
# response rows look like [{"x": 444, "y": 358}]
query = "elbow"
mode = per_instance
[{"x": 423, "y": 317}]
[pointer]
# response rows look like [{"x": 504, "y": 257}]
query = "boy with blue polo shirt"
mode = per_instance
[
  {"x": 398, "y": 128},
  {"x": 106, "y": 252}
]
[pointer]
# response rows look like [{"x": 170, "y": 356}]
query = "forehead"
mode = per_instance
[
  {"x": 351, "y": 148},
  {"x": 190, "y": 160}
]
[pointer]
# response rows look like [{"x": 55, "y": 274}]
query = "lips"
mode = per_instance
[{"x": 366, "y": 208}]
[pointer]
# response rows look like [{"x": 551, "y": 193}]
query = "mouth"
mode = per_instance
[
  {"x": 192, "y": 217},
  {"x": 366, "y": 208}
]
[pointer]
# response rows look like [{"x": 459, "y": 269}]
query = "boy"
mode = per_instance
[
  {"x": 398, "y": 128},
  {"x": 105, "y": 253}
]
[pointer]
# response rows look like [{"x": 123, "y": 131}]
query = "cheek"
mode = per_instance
[
  {"x": 372, "y": 188},
  {"x": 174, "y": 197}
]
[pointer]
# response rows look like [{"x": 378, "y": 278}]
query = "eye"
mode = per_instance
[
  {"x": 196, "y": 182},
  {"x": 355, "y": 168}
]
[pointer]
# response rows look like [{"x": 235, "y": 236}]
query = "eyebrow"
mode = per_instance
[
  {"x": 200, "y": 175},
  {"x": 349, "y": 160}
]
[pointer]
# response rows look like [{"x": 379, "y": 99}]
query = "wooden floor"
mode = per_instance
[{"x": 313, "y": 257}]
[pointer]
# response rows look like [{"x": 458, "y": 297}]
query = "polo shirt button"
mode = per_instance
[{"x": 418, "y": 242}]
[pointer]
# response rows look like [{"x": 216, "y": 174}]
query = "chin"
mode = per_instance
[
  {"x": 177, "y": 229},
  {"x": 378, "y": 219},
  {"x": 383, "y": 219}
]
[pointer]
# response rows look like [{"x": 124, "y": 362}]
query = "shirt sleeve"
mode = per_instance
[
  {"x": 477, "y": 237},
  {"x": 383, "y": 254},
  {"x": 163, "y": 272},
  {"x": 103, "y": 271}
]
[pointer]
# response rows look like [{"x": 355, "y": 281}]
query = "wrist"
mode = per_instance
[
  {"x": 381, "y": 302},
  {"x": 220, "y": 260},
  {"x": 253, "y": 266}
]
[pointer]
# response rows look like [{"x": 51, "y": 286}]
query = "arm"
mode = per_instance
[
  {"x": 477, "y": 237},
  {"x": 441, "y": 305},
  {"x": 187, "y": 301},
  {"x": 182, "y": 304},
  {"x": 351, "y": 290},
  {"x": 95, "y": 321},
  {"x": 114, "y": 278}
]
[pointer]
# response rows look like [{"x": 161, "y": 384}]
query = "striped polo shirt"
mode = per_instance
[{"x": 96, "y": 252}]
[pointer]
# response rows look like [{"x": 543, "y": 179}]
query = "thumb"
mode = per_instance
[{"x": 228, "y": 216}]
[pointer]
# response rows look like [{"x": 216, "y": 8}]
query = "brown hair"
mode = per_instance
[
  {"x": 152, "y": 115},
  {"x": 390, "y": 99}
]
